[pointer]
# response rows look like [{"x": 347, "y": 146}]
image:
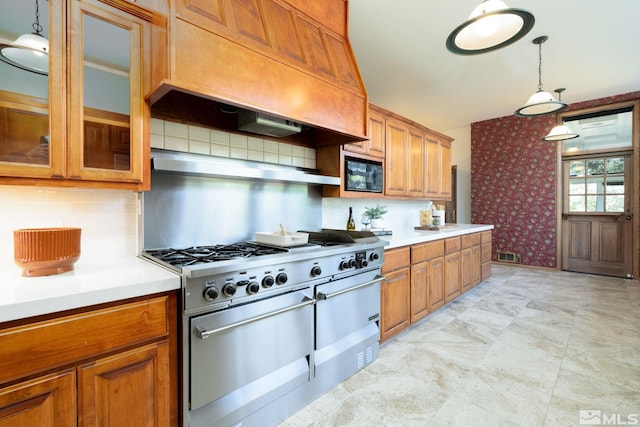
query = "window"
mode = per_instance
[{"x": 596, "y": 185}]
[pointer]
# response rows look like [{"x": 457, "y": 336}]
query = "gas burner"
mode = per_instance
[{"x": 207, "y": 254}]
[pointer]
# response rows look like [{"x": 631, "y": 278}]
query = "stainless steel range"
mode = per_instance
[{"x": 267, "y": 329}]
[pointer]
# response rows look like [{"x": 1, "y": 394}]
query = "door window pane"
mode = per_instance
[
  {"x": 601, "y": 189},
  {"x": 576, "y": 168}
]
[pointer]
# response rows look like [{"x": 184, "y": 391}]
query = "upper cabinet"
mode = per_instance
[
  {"x": 290, "y": 59},
  {"x": 84, "y": 121},
  {"x": 416, "y": 160},
  {"x": 375, "y": 145}
]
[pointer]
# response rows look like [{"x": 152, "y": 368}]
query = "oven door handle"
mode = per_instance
[
  {"x": 204, "y": 334},
  {"x": 323, "y": 296}
]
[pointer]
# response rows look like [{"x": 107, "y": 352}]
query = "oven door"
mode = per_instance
[
  {"x": 347, "y": 325},
  {"x": 244, "y": 357}
]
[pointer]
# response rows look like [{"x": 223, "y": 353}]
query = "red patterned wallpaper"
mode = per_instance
[{"x": 513, "y": 182}]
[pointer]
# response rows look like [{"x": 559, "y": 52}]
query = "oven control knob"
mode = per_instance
[
  {"x": 364, "y": 263},
  {"x": 210, "y": 293},
  {"x": 374, "y": 256},
  {"x": 352, "y": 263},
  {"x": 281, "y": 279},
  {"x": 229, "y": 289},
  {"x": 267, "y": 282},
  {"x": 316, "y": 271},
  {"x": 344, "y": 265},
  {"x": 253, "y": 288}
]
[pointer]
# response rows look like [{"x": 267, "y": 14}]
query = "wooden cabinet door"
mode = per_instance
[
  {"x": 451, "y": 276},
  {"x": 466, "y": 270},
  {"x": 127, "y": 389},
  {"x": 48, "y": 401},
  {"x": 419, "y": 290},
  {"x": 433, "y": 175},
  {"x": 376, "y": 134},
  {"x": 396, "y": 158},
  {"x": 395, "y": 302},
  {"x": 416, "y": 163},
  {"x": 375, "y": 145},
  {"x": 93, "y": 153},
  {"x": 436, "y": 283},
  {"x": 476, "y": 265},
  {"x": 445, "y": 170}
]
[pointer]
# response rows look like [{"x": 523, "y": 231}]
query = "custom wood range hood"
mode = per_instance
[{"x": 288, "y": 59}]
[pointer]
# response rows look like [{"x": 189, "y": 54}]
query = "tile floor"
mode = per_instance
[{"x": 524, "y": 348}]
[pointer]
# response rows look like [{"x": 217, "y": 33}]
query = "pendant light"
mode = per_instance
[
  {"x": 560, "y": 132},
  {"x": 540, "y": 102},
  {"x": 30, "y": 51},
  {"x": 491, "y": 25}
]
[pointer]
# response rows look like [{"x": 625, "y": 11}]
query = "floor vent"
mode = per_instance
[{"x": 506, "y": 256}]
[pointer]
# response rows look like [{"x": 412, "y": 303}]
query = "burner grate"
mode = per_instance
[{"x": 208, "y": 254}]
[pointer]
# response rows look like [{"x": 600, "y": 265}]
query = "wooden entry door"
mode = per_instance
[{"x": 597, "y": 231}]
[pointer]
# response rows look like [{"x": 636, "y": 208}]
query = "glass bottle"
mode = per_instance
[{"x": 351, "y": 224}]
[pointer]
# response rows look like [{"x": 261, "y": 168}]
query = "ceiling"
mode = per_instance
[{"x": 592, "y": 51}]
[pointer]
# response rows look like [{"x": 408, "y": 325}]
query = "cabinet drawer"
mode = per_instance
[
  {"x": 47, "y": 344},
  {"x": 469, "y": 240},
  {"x": 451, "y": 245},
  {"x": 425, "y": 251},
  {"x": 395, "y": 259},
  {"x": 486, "y": 236}
]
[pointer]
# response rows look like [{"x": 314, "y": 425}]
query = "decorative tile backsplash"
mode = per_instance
[{"x": 201, "y": 140}]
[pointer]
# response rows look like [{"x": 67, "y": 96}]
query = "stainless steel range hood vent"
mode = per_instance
[
  {"x": 194, "y": 164},
  {"x": 262, "y": 124}
]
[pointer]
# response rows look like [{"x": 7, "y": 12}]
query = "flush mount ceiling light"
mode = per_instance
[
  {"x": 560, "y": 132},
  {"x": 30, "y": 51},
  {"x": 540, "y": 102},
  {"x": 491, "y": 25}
]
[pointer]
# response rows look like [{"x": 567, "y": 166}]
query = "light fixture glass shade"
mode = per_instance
[
  {"x": 539, "y": 103},
  {"x": 491, "y": 25},
  {"x": 29, "y": 52},
  {"x": 560, "y": 133}
]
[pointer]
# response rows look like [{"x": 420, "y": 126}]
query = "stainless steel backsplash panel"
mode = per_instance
[{"x": 184, "y": 210}]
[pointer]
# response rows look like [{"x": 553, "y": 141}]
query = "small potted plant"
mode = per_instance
[{"x": 376, "y": 215}]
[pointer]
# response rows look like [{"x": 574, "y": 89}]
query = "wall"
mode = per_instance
[
  {"x": 513, "y": 182},
  {"x": 108, "y": 219},
  {"x": 461, "y": 157}
]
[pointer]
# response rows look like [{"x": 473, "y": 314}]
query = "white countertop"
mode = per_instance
[
  {"x": 412, "y": 236},
  {"x": 90, "y": 283}
]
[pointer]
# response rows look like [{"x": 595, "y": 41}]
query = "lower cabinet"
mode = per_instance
[
  {"x": 423, "y": 277},
  {"x": 452, "y": 269},
  {"x": 395, "y": 291},
  {"x": 485, "y": 255},
  {"x": 112, "y": 366}
]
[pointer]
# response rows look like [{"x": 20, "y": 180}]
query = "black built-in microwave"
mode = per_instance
[{"x": 363, "y": 175}]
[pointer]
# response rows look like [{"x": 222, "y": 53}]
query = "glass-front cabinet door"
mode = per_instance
[
  {"x": 106, "y": 105},
  {"x": 32, "y": 89},
  {"x": 73, "y": 76}
]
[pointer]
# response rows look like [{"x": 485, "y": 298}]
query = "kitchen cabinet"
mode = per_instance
[
  {"x": 374, "y": 146},
  {"x": 485, "y": 255},
  {"x": 395, "y": 292},
  {"x": 426, "y": 278},
  {"x": 114, "y": 364},
  {"x": 417, "y": 160},
  {"x": 423, "y": 277},
  {"x": 289, "y": 59},
  {"x": 89, "y": 123},
  {"x": 438, "y": 161},
  {"x": 451, "y": 269},
  {"x": 470, "y": 269}
]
